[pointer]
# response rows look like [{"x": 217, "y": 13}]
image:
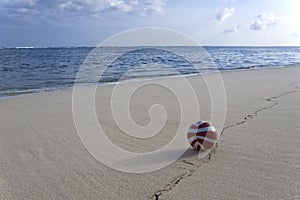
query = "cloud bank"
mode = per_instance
[{"x": 88, "y": 8}]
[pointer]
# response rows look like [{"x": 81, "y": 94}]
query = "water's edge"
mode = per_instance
[{"x": 49, "y": 90}]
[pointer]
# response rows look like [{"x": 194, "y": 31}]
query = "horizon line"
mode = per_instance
[{"x": 87, "y": 46}]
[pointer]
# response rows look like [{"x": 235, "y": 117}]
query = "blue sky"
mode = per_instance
[{"x": 43, "y": 23}]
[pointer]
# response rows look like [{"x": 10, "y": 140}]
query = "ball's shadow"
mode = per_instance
[{"x": 165, "y": 156}]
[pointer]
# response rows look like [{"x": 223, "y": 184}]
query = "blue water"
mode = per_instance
[{"x": 42, "y": 69}]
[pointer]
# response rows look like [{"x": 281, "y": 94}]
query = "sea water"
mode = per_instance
[{"x": 30, "y": 70}]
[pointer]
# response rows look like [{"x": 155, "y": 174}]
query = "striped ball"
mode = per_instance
[{"x": 202, "y": 135}]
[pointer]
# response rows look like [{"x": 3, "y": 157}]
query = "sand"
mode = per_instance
[{"x": 42, "y": 156}]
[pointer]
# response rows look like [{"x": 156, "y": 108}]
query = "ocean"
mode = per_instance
[{"x": 32, "y": 70}]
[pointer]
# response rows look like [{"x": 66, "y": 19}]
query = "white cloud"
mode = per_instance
[
  {"x": 229, "y": 1},
  {"x": 144, "y": 8},
  {"x": 17, "y": 8},
  {"x": 19, "y": 3},
  {"x": 232, "y": 30},
  {"x": 154, "y": 6},
  {"x": 262, "y": 21},
  {"x": 91, "y": 6},
  {"x": 38, "y": 9},
  {"x": 70, "y": 6},
  {"x": 224, "y": 14}
]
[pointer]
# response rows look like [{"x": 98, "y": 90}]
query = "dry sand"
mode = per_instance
[{"x": 258, "y": 156}]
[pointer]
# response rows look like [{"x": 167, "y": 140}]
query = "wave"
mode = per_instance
[{"x": 24, "y": 47}]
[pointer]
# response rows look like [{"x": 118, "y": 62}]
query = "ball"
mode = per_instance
[{"x": 202, "y": 135}]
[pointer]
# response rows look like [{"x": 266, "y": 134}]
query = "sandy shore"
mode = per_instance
[{"x": 42, "y": 157}]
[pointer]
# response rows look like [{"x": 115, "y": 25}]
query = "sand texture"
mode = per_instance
[{"x": 258, "y": 155}]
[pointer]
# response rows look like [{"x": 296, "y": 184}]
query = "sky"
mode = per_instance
[{"x": 52, "y": 23}]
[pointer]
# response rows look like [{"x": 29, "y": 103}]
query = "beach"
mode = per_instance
[{"x": 257, "y": 157}]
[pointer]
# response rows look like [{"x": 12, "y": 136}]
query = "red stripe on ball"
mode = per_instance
[
  {"x": 204, "y": 125},
  {"x": 196, "y": 140}
]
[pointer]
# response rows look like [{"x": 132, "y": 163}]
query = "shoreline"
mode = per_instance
[{"x": 65, "y": 88}]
